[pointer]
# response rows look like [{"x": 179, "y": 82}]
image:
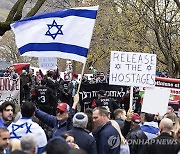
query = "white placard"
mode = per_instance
[
  {"x": 10, "y": 90},
  {"x": 47, "y": 63},
  {"x": 156, "y": 100},
  {"x": 132, "y": 69}
]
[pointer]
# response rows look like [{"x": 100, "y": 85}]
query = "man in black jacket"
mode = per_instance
[
  {"x": 164, "y": 143},
  {"x": 44, "y": 98},
  {"x": 136, "y": 137},
  {"x": 104, "y": 101}
]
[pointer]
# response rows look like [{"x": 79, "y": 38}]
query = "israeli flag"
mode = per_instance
[{"x": 65, "y": 34}]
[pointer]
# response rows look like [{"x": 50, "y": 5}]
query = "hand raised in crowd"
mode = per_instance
[
  {"x": 73, "y": 145},
  {"x": 129, "y": 114},
  {"x": 76, "y": 100},
  {"x": 157, "y": 117}
]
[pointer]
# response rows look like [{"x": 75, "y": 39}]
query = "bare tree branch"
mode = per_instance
[
  {"x": 35, "y": 9},
  {"x": 177, "y": 3}
]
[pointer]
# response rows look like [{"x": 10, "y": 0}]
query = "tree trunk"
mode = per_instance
[{"x": 16, "y": 14}]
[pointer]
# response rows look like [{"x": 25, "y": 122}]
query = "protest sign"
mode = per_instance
[
  {"x": 132, "y": 69},
  {"x": 47, "y": 63},
  {"x": 10, "y": 90},
  {"x": 155, "y": 100}
]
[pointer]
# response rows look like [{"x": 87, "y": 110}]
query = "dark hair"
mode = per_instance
[
  {"x": 17, "y": 152},
  {"x": 56, "y": 146},
  {"x": 77, "y": 151},
  {"x": 1, "y": 108},
  {"x": 43, "y": 82},
  {"x": 65, "y": 135},
  {"x": 50, "y": 73},
  {"x": 32, "y": 69},
  {"x": 27, "y": 109},
  {"x": 89, "y": 113},
  {"x": 149, "y": 117},
  {"x": 5, "y": 104}
]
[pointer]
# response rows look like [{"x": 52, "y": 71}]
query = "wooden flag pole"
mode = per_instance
[
  {"x": 82, "y": 72},
  {"x": 79, "y": 86},
  {"x": 131, "y": 97}
]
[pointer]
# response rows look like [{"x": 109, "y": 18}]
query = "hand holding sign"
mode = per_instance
[{"x": 132, "y": 69}]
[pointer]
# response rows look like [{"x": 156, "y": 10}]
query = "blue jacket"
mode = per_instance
[
  {"x": 108, "y": 140},
  {"x": 1, "y": 123},
  {"x": 51, "y": 121},
  {"x": 84, "y": 140}
]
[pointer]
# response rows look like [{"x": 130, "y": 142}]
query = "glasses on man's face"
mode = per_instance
[{"x": 59, "y": 111}]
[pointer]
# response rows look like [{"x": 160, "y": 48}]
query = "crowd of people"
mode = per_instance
[{"x": 49, "y": 122}]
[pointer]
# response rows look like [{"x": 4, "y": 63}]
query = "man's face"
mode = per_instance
[
  {"x": 61, "y": 115},
  {"x": 97, "y": 120},
  {"x": 4, "y": 140},
  {"x": 7, "y": 114}
]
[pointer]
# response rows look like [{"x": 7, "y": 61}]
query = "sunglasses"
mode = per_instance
[{"x": 59, "y": 111}]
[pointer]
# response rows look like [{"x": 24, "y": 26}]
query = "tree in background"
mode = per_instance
[
  {"x": 157, "y": 23},
  {"x": 16, "y": 14},
  {"x": 150, "y": 26}
]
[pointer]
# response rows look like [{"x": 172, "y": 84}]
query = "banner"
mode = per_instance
[
  {"x": 9, "y": 90},
  {"x": 132, "y": 69},
  {"x": 174, "y": 86},
  {"x": 88, "y": 92}
]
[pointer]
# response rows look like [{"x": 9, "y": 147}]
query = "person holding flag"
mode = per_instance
[{"x": 65, "y": 34}]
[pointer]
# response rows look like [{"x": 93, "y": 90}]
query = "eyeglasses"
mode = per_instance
[{"x": 59, "y": 111}]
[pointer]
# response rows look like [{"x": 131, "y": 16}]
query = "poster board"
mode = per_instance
[
  {"x": 132, "y": 69},
  {"x": 156, "y": 100},
  {"x": 10, "y": 90},
  {"x": 47, "y": 63}
]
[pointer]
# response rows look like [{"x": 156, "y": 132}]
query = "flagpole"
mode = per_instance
[
  {"x": 131, "y": 97},
  {"x": 82, "y": 72}
]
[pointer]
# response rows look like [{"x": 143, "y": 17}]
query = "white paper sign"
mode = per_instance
[
  {"x": 156, "y": 100},
  {"x": 47, "y": 63},
  {"x": 132, "y": 69},
  {"x": 10, "y": 90}
]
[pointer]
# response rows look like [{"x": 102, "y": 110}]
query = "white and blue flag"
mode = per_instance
[{"x": 65, "y": 34}]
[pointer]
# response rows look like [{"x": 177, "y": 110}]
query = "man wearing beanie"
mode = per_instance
[{"x": 82, "y": 138}]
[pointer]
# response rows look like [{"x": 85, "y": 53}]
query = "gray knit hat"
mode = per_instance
[{"x": 80, "y": 120}]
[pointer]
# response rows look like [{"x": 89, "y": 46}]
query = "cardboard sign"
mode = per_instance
[
  {"x": 47, "y": 63},
  {"x": 132, "y": 69},
  {"x": 156, "y": 100},
  {"x": 10, "y": 90}
]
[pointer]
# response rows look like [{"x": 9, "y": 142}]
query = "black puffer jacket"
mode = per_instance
[{"x": 136, "y": 137}]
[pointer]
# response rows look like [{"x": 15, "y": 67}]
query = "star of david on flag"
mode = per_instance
[
  {"x": 65, "y": 34},
  {"x": 50, "y": 26}
]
